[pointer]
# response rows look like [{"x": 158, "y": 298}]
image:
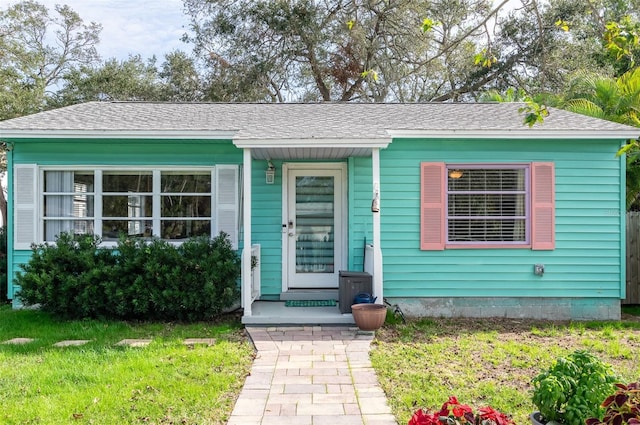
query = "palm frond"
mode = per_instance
[{"x": 585, "y": 107}]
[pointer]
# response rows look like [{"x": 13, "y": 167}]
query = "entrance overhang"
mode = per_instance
[
  {"x": 308, "y": 149},
  {"x": 311, "y": 149}
]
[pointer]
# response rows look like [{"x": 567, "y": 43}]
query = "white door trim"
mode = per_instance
[{"x": 342, "y": 215}]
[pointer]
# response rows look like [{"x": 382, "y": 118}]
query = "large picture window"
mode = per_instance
[
  {"x": 487, "y": 205},
  {"x": 173, "y": 204}
]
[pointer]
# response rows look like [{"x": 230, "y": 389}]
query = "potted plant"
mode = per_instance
[
  {"x": 621, "y": 408},
  {"x": 571, "y": 389},
  {"x": 454, "y": 413}
]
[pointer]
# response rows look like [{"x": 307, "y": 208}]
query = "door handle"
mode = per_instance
[{"x": 292, "y": 233}]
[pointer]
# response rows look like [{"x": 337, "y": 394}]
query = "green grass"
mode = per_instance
[
  {"x": 419, "y": 364},
  {"x": 100, "y": 383},
  {"x": 489, "y": 362}
]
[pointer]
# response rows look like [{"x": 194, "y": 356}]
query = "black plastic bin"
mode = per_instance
[{"x": 351, "y": 284}]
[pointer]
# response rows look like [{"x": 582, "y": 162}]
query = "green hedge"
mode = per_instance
[{"x": 139, "y": 279}]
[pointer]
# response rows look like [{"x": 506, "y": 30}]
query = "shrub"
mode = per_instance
[
  {"x": 64, "y": 278},
  {"x": 148, "y": 280}
]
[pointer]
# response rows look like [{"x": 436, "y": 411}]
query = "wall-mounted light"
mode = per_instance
[
  {"x": 455, "y": 174},
  {"x": 270, "y": 173},
  {"x": 375, "y": 202}
]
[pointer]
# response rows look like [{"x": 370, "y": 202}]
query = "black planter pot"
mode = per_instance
[{"x": 536, "y": 419}]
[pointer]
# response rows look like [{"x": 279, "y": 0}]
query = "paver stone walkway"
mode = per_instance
[{"x": 311, "y": 375}]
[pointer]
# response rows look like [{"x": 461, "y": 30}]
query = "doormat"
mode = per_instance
[{"x": 310, "y": 303}]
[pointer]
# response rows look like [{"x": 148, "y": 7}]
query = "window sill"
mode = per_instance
[{"x": 487, "y": 246}]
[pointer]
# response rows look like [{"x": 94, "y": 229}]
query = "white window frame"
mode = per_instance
[
  {"x": 526, "y": 193},
  {"x": 156, "y": 196}
]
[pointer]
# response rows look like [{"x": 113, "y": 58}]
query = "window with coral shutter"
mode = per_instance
[{"x": 487, "y": 205}]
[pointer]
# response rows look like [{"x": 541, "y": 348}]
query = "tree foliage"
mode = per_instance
[
  {"x": 38, "y": 47},
  {"x": 322, "y": 50},
  {"x": 129, "y": 79},
  {"x": 132, "y": 79},
  {"x": 403, "y": 50},
  {"x": 612, "y": 99}
]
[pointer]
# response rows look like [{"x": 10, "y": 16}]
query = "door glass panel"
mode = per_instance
[{"x": 315, "y": 224}]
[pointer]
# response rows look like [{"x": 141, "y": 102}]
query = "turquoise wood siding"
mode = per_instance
[
  {"x": 266, "y": 220},
  {"x": 360, "y": 216},
  {"x": 115, "y": 152},
  {"x": 589, "y": 224},
  {"x": 587, "y": 260},
  {"x": 267, "y": 226},
  {"x": 126, "y": 152}
]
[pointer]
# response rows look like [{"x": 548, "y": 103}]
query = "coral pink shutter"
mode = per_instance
[
  {"x": 432, "y": 205},
  {"x": 542, "y": 205}
]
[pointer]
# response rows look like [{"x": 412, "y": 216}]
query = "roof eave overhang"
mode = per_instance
[
  {"x": 380, "y": 143},
  {"x": 525, "y": 133},
  {"x": 123, "y": 134}
]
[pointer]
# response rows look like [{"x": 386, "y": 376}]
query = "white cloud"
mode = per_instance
[{"x": 142, "y": 27}]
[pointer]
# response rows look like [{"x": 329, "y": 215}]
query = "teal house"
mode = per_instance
[{"x": 443, "y": 209}]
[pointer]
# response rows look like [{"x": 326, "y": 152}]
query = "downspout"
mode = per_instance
[
  {"x": 623, "y": 231},
  {"x": 377, "y": 250},
  {"x": 246, "y": 219}
]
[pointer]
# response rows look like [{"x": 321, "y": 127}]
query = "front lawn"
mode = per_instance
[
  {"x": 166, "y": 382},
  {"x": 419, "y": 364},
  {"x": 490, "y": 361}
]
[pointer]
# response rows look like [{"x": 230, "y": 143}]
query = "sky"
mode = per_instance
[{"x": 144, "y": 27}]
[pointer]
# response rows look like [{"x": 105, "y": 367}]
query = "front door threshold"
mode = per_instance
[
  {"x": 274, "y": 313},
  {"x": 309, "y": 294}
]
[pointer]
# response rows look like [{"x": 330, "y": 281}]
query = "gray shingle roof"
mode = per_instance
[{"x": 282, "y": 121}]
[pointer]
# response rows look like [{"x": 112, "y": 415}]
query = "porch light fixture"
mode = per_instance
[
  {"x": 270, "y": 173},
  {"x": 455, "y": 174},
  {"x": 375, "y": 202}
]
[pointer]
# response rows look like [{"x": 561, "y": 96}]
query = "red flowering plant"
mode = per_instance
[{"x": 453, "y": 412}]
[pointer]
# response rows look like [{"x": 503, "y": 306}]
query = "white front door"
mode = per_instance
[{"x": 314, "y": 227}]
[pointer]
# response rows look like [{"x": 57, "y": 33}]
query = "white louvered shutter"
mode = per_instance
[
  {"x": 227, "y": 202},
  {"x": 25, "y": 184}
]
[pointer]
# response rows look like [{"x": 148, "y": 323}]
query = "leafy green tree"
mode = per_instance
[
  {"x": 547, "y": 42},
  {"x": 180, "y": 79},
  {"x": 131, "y": 79},
  {"x": 38, "y": 48},
  {"x": 612, "y": 99},
  {"x": 404, "y": 50}
]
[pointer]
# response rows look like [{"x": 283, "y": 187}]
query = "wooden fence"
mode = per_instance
[{"x": 633, "y": 258}]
